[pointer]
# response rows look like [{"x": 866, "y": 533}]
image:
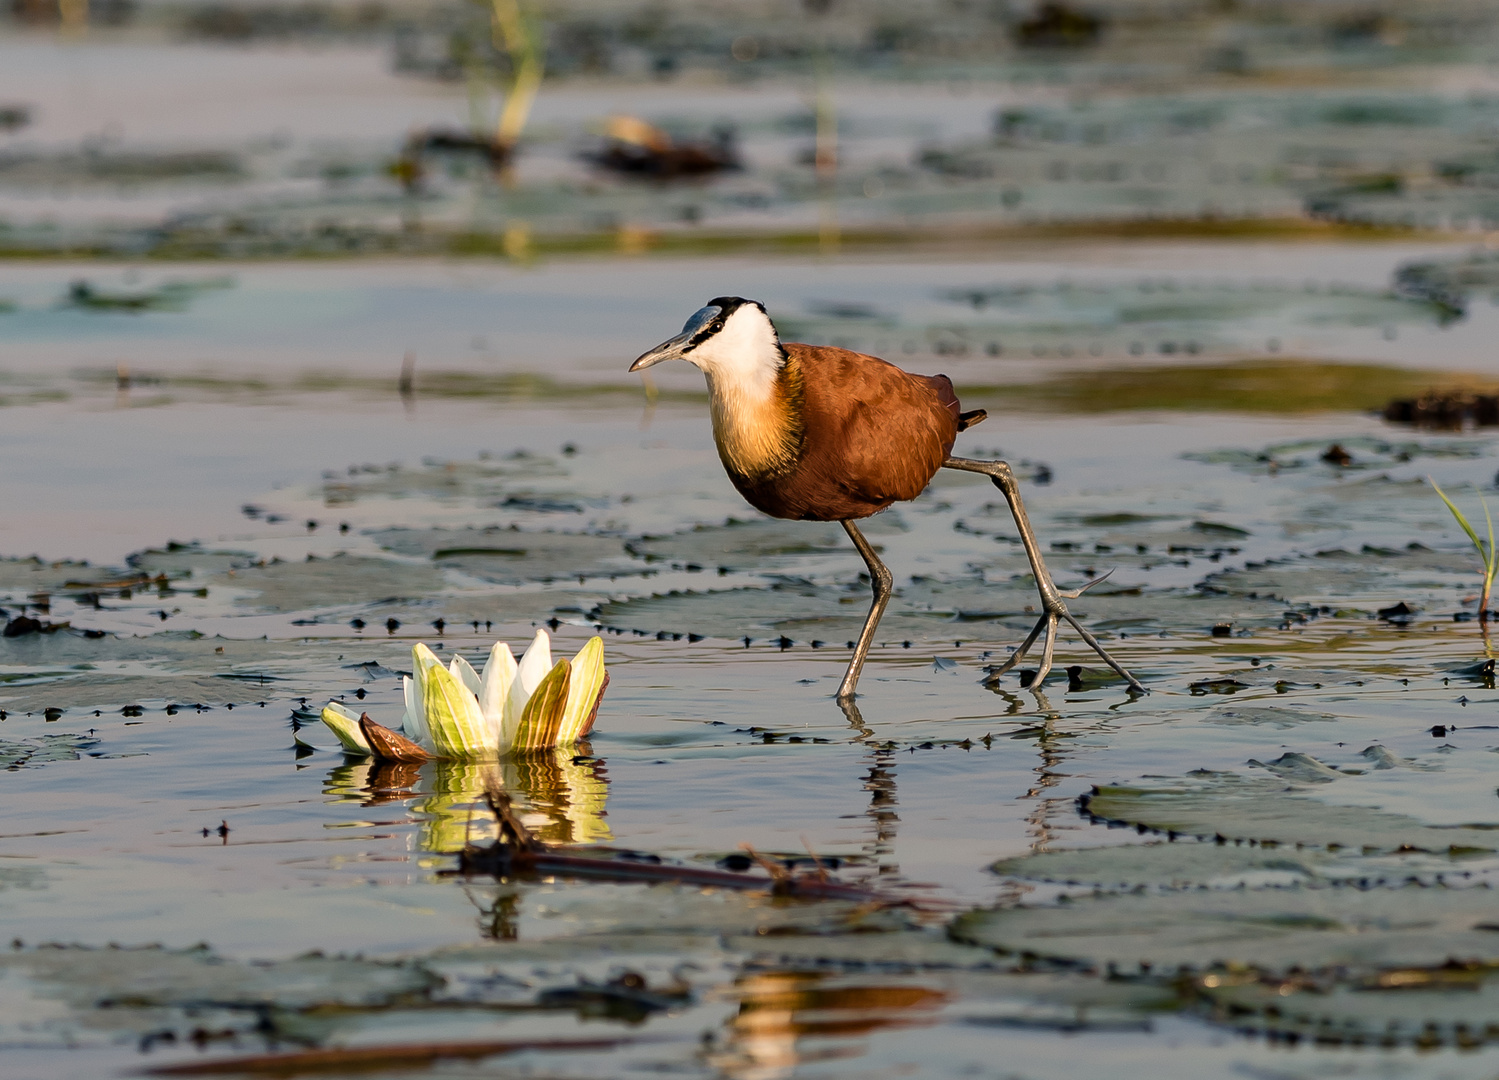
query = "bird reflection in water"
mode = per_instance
[
  {"x": 1051, "y": 749},
  {"x": 790, "y": 1018},
  {"x": 879, "y": 850},
  {"x": 560, "y": 794}
]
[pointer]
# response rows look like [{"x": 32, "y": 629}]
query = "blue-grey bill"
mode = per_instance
[{"x": 673, "y": 348}]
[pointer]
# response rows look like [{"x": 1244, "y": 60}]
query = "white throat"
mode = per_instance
[{"x": 743, "y": 359}]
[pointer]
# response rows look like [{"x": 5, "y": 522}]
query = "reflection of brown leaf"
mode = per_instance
[
  {"x": 392, "y": 781},
  {"x": 388, "y": 744}
]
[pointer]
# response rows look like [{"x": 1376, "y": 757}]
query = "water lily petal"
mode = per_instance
[
  {"x": 345, "y": 724},
  {"x": 542, "y": 716},
  {"x": 475, "y": 685},
  {"x": 534, "y": 666},
  {"x": 414, "y": 723},
  {"x": 466, "y": 674},
  {"x": 453, "y": 716},
  {"x": 423, "y": 660},
  {"x": 583, "y": 692},
  {"x": 499, "y": 675}
]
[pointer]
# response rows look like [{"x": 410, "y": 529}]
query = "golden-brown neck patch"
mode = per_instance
[{"x": 758, "y": 428}]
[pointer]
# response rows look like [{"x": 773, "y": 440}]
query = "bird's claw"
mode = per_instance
[{"x": 1049, "y": 623}]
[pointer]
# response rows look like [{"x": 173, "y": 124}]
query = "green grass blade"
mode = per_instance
[
  {"x": 1491, "y": 561},
  {"x": 1461, "y": 520}
]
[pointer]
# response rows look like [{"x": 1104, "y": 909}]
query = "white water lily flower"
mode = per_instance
[{"x": 455, "y": 712}]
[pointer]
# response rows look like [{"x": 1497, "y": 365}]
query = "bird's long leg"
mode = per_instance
[
  {"x": 1053, "y": 604},
  {"x": 879, "y": 576}
]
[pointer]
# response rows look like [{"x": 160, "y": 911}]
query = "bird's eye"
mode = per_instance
[{"x": 701, "y": 318}]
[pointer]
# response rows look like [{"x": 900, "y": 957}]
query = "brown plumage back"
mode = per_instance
[{"x": 871, "y": 435}]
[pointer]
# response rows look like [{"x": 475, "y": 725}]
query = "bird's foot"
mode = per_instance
[{"x": 1053, "y": 615}]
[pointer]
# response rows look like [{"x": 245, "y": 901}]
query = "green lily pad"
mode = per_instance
[
  {"x": 71, "y": 995},
  {"x": 183, "y": 560},
  {"x": 22, "y": 577},
  {"x": 1366, "y": 579},
  {"x": 43, "y": 749},
  {"x": 1180, "y": 865},
  {"x": 483, "y": 480},
  {"x": 1451, "y": 1004},
  {"x": 510, "y": 556},
  {"x": 1265, "y": 810},
  {"x": 796, "y": 610},
  {"x": 756, "y": 544},
  {"x": 342, "y": 579},
  {"x": 1271, "y": 930}
]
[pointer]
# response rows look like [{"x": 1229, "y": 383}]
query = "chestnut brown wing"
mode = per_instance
[{"x": 874, "y": 432}]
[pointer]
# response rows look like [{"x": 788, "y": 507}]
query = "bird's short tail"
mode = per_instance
[{"x": 968, "y": 419}]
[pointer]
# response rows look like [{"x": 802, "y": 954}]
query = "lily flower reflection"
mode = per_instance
[
  {"x": 789, "y": 1018},
  {"x": 560, "y": 796},
  {"x": 458, "y": 714}
]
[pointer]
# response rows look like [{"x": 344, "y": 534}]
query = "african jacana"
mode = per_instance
[{"x": 815, "y": 433}]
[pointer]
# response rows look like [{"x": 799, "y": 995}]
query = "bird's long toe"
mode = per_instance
[{"x": 1093, "y": 643}]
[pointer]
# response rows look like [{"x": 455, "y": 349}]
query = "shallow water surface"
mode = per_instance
[{"x": 1242, "y": 873}]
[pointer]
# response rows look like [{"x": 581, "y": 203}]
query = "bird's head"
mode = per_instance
[{"x": 730, "y": 336}]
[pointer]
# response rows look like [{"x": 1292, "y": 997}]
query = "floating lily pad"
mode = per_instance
[
  {"x": 484, "y": 481},
  {"x": 78, "y": 675},
  {"x": 747, "y": 545},
  {"x": 20, "y": 578},
  {"x": 1366, "y": 452},
  {"x": 342, "y": 579},
  {"x": 799, "y": 611},
  {"x": 188, "y": 559},
  {"x": 1264, "y": 810},
  {"x": 44, "y": 748},
  {"x": 1267, "y": 715},
  {"x": 1449, "y": 1004},
  {"x": 1166, "y": 865},
  {"x": 510, "y": 556},
  {"x": 151, "y": 989},
  {"x": 1271, "y": 930},
  {"x": 1367, "y": 579},
  {"x": 921, "y": 610}
]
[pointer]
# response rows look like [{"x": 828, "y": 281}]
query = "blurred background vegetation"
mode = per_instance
[{"x": 519, "y": 127}]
